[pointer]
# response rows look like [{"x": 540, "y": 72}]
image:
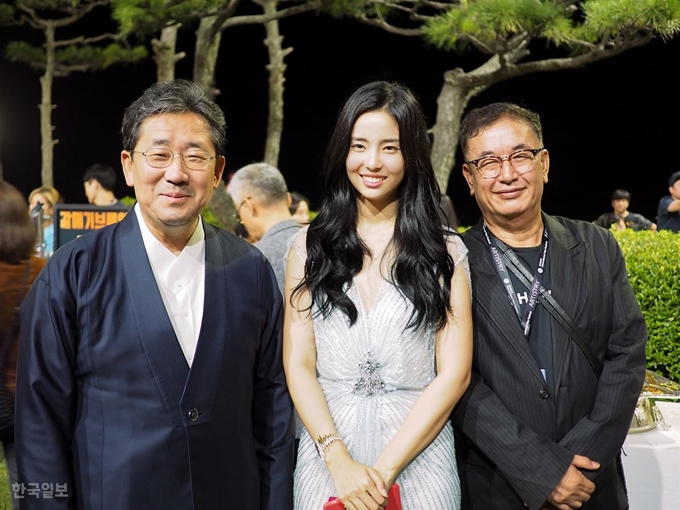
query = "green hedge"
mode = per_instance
[{"x": 653, "y": 263}]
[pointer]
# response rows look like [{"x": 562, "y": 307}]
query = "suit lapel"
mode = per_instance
[
  {"x": 205, "y": 370},
  {"x": 566, "y": 257},
  {"x": 490, "y": 295},
  {"x": 167, "y": 362}
]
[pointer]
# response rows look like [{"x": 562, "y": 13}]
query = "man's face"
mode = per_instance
[
  {"x": 90, "y": 190},
  {"x": 675, "y": 190},
  {"x": 172, "y": 198},
  {"x": 620, "y": 206},
  {"x": 510, "y": 195},
  {"x": 246, "y": 206}
]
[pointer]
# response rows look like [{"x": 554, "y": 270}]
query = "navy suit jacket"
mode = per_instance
[
  {"x": 514, "y": 439},
  {"x": 107, "y": 404}
]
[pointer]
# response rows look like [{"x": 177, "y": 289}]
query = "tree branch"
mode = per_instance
[
  {"x": 600, "y": 53},
  {"x": 409, "y": 32},
  {"x": 85, "y": 40},
  {"x": 65, "y": 70},
  {"x": 77, "y": 13},
  {"x": 257, "y": 19},
  {"x": 494, "y": 71}
]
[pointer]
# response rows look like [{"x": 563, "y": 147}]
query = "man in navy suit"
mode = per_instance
[
  {"x": 552, "y": 394},
  {"x": 150, "y": 372}
]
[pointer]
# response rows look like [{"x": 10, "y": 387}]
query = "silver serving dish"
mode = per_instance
[
  {"x": 646, "y": 416},
  {"x": 643, "y": 417}
]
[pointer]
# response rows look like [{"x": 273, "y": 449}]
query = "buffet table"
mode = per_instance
[{"x": 652, "y": 463}]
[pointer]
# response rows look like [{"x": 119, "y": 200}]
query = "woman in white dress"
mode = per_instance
[{"x": 378, "y": 328}]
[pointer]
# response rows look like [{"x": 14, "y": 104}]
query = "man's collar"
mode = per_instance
[{"x": 278, "y": 227}]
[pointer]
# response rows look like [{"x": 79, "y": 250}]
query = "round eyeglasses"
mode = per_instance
[
  {"x": 163, "y": 158},
  {"x": 522, "y": 161}
]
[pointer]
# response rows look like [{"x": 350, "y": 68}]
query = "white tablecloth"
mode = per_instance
[{"x": 652, "y": 463}]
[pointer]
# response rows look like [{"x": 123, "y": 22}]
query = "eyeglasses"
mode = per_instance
[
  {"x": 522, "y": 161},
  {"x": 237, "y": 214},
  {"x": 163, "y": 158}
]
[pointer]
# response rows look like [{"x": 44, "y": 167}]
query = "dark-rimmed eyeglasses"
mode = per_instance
[
  {"x": 237, "y": 214},
  {"x": 163, "y": 158},
  {"x": 522, "y": 161}
]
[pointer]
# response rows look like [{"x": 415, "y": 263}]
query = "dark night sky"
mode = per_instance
[{"x": 610, "y": 125}]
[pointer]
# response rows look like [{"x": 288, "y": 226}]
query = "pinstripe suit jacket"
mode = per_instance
[{"x": 515, "y": 440}]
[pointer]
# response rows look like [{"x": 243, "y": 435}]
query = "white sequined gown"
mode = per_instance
[{"x": 371, "y": 374}]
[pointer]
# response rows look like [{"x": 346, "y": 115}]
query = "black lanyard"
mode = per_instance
[{"x": 497, "y": 248}]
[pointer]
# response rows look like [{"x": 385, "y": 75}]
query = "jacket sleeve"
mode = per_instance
[
  {"x": 46, "y": 392},
  {"x": 600, "y": 435},
  {"x": 272, "y": 406},
  {"x": 533, "y": 464}
]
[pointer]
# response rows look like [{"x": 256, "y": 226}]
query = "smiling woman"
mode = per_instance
[
  {"x": 375, "y": 165},
  {"x": 374, "y": 359}
]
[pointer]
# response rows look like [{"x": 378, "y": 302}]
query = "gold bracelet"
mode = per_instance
[{"x": 323, "y": 442}]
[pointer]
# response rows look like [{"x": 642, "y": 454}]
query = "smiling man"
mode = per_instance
[
  {"x": 150, "y": 373},
  {"x": 559, "y": 339}
]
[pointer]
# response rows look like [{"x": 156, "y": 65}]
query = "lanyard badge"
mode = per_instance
[{"x": 497, "y": 249}]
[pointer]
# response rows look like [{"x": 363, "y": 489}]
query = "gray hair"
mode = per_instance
[
  {"x": 262, "y": 181},
  {"x": 177, "y": 96}
]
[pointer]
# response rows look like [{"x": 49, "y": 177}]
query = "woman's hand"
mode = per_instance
[
  {"x": 358, "y": 486},
  {"x": 387, "y": 475}
]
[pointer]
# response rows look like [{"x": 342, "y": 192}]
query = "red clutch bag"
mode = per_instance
[{"x": 393, "y": 501}]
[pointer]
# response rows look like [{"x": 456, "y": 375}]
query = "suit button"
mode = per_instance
[
  {"x": 193, "y": 414},
  {"x": 543, "y": 394}
]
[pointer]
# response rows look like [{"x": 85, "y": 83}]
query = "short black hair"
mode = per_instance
[
  {"x": 675, "y": 176},
  {"x": 621, "y": 194},
  {"x": 105, "y": 175}
]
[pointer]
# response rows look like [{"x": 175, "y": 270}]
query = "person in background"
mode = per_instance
[
  {"x": 99, "y": 181},
  {"x": 668, "y": 213},
  {"x": 261, "y": 198},
  {"x": 559, "y": 336},
  {"x": 46, "y": 197},
  {"x": 150, "y": 371},
  {"x": 299, "y": 207},
  {"x": 621, "y": 218},
  {"x": 19, "y": 267},
  {"x": 378, "y": 330}
]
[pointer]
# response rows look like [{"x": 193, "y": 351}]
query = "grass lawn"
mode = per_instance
[{"x": 5, "y": 501}]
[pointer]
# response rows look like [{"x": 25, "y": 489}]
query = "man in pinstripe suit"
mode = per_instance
[{"x": 542, "y": 423}]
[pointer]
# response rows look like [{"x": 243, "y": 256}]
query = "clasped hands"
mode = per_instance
[
  {"x": 358, "y": 486},
  {"x": 574, "y": 488}
]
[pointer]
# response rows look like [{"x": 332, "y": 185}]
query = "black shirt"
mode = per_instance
[{"x": 540, "y": 333}]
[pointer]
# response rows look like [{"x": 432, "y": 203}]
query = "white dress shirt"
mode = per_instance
[{"x": 181, "y": 281}]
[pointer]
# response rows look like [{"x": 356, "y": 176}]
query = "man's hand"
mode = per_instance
[{"x": 574, "y": 489}]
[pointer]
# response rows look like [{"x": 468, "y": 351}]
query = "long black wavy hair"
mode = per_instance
[{"x": 423, "y": 268}]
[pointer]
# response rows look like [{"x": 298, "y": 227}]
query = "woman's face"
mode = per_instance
[
  {"x": 375, "y": 165},
  {"x": 39, "y": 198},
  {"x": 302, "y": 212}
]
